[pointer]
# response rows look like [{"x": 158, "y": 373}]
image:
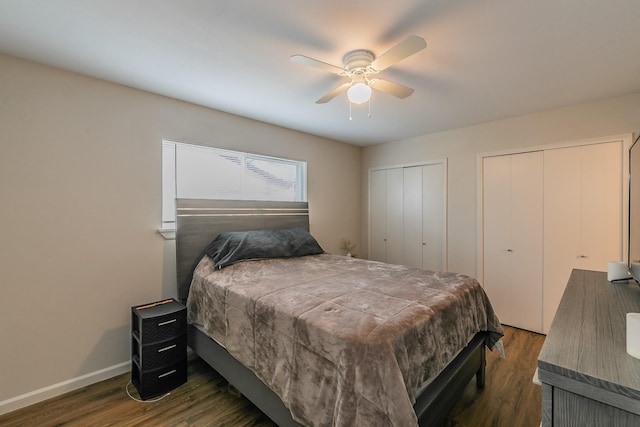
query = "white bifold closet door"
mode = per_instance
[
  {"x": 408, "y": 216},
  {"x": 377, "y": 215},
  {"x": 424, "y": 215},
  {"x": 395, "y": 212},
  {"x": 582, "y": 215},
  {"x": 513, "y": 237},
  {"x": 387, "y": 215}
]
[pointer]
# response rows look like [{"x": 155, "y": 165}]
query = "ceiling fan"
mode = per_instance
[{"x": 361, "y": 66}]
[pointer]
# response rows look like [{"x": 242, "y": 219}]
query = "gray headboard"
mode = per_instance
[{"x": 199, "y": 221}]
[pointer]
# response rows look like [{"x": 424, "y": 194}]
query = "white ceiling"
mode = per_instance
[{"x": 485, "y": 59}]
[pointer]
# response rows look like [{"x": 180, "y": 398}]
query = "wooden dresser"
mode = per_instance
[{"x": 587, "y": 377}]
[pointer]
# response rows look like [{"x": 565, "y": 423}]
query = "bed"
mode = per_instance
[{"x": 277, "y": 329}]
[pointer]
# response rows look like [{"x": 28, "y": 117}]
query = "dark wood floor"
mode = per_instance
[{"x": 508, "y": 399}]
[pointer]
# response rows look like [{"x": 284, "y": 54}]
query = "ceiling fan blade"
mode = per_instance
[
  {"x": 402, "y": 50},
  {"x": 305, "y": 60},
  {"x": 337, "y": 91},
  {"x": 391, "y": 88}
]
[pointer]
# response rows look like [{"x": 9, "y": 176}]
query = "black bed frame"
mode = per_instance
[{"x": 200, "y": 221}]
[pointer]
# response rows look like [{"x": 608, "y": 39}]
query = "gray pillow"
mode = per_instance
[{"x": 235, "y": 246}]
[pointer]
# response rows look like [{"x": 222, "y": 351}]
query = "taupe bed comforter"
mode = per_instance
[{"x": 343, "y": 342}]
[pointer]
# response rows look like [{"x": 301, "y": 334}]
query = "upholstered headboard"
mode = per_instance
[{"x": 199, "y": 221}]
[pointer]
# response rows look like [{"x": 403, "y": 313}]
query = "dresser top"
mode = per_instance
[
  {"x": 587, "y": 339},
  {"x": 158, "y": 308}
]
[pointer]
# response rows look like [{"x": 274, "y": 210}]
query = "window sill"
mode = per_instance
[{"x": 167, "y": 233}]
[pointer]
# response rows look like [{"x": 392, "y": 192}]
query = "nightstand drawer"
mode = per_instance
[
  {"x": 159, "y": 354},
  {"x": 154, "y": 329},
  {"x": 156, "y": 382}
]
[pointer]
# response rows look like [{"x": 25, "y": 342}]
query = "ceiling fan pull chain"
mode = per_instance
[
  {"x": 350, "y": 118},
  {"x": 369, "y": 107}
]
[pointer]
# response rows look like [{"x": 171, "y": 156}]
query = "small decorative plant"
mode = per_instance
[{"x": 349, "y": 247}]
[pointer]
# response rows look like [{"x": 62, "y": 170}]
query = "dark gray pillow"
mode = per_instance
[{"x": 235, "y": 246}]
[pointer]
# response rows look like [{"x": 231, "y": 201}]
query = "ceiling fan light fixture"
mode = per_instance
[
  {"x": 359, "y": 93},
  {"x": 361, "y": 65}
]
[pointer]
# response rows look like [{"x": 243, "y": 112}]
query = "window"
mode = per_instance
[{"x": 197, "y": 172}]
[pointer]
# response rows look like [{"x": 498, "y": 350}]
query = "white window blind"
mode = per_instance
[{"x": 198, "y": 172}]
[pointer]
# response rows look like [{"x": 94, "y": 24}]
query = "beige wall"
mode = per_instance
[
  {"x": 80, "y": 203},
  {"x": 80, "y": 187},
  {"x": 461, "y": 146}
]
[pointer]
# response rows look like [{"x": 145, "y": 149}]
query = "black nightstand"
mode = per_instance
[{"x": 158, "y": 347}]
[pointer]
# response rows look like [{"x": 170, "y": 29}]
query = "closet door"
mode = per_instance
[
  {"x": 582, "y": 215},
  {"x": 412, "y": 231},
  {"x": 527, "y": 239},
  {"x": 395, "y": 216},
  {"x": 386, "y": 215},
  {"x": 408, "y": 216},
  {"x": 424, "y": 217},
  {"x": 602, "y": 205},
  {"x": 496, "y": 193},
  {"x": 377, "y": 214},
  {"x": 512, "y": 227},
  {"x": 434, "y": 214}
]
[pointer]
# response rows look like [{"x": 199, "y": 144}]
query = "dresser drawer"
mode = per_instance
[
  {"x": 153, "y": 383},
  {"x": 160, "y": 328},
  {"x": 158, "y": 321},
  {"x": 161, "y": 353}
]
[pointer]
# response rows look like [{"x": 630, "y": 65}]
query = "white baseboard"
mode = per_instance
[{"x": 54, "y": 390}]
